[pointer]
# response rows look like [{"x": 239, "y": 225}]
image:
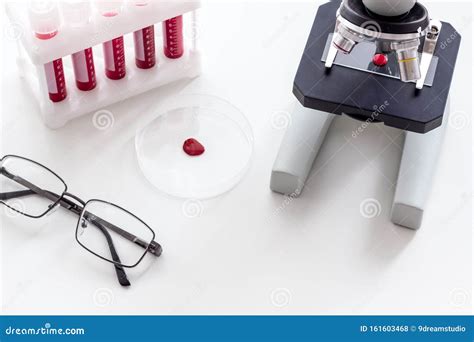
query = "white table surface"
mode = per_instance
[{"x": 249, "y": 251}]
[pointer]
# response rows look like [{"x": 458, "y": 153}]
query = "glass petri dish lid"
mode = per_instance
[{"x": 218, "y": 125}]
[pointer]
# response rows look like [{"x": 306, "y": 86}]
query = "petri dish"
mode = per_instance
[{"x": 218, "y": 125}]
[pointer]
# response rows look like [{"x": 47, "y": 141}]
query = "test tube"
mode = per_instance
[
  {"x": 45, "y": 21},
  {"x": 144, "y": 40},
  {"x": 44, "y": 18},
  {"x": 77, "y": 13},
  {"x": 84, "y": 70},
  {"x": 173, "y": 37},
  {"x": 114, "y": 51}
]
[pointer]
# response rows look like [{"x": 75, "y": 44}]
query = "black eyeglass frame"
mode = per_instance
[
  {"x": 128, "y": 212},
  {"x": 62, "y": 200},
  {"x": 51, "y": 206}
]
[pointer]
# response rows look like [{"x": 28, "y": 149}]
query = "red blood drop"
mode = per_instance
[
  {"x": 193, "y": 147},
  {"x": 380, "y": 59}
]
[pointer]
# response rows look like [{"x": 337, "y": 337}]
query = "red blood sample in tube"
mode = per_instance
[
  {"x": 114, "y": 57},
  {"x": 55, "y": 80},
  {"x": 45, "y": 20},
  {"x": 84, "y": 71},
  {"x": 144, "y": 40},
  {"x": 173, "y": 37}
]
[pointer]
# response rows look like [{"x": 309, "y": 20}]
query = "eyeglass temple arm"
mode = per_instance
[
  {"x": 154, "y": 247},
  {"x": 121, "y": 275},
  {"x": 35, "y": 190},
  {"x": 77, "y": 209},
  {"x": 69, "y": 205},
  {"x": 5, "y": 196}
]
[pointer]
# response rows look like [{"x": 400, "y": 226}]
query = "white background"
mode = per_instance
[{"x": 249, "y": 251}]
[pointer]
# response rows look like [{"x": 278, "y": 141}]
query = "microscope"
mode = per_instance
[{"x": 377, "y": 61}]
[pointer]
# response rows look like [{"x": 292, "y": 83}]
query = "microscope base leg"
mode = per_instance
[
  {"x": 298, "y": 150},
  {"x": 415, "y": 177}
]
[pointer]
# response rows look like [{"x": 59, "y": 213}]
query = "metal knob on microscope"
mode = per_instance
[{"x": 408, "y": 61}]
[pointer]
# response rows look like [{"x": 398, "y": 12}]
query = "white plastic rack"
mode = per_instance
[{"x": 34, "y": 53}]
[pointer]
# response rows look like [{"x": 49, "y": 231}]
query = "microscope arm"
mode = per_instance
[
  {"x": 415, "y": 178},
  {"x": 298, "y": 150}
]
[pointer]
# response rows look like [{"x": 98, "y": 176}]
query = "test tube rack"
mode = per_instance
[{"x": 34, "y": 53}]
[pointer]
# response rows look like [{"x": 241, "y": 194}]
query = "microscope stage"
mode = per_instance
[{"x": 365, "y": 92}]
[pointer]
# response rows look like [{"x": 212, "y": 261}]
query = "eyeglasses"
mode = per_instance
[{"x": 104, "y": 229}]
